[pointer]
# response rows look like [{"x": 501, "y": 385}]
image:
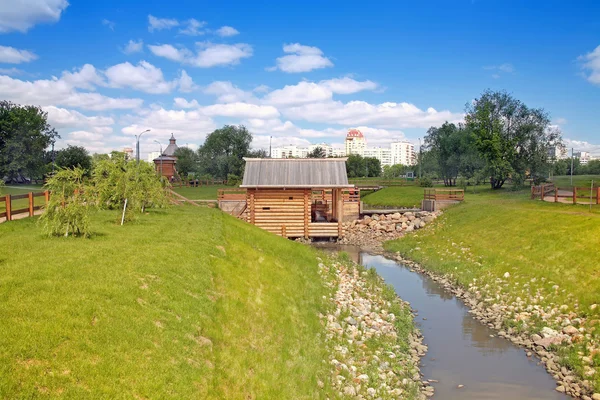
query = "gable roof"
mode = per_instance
[{"x": 295, "y": 173}]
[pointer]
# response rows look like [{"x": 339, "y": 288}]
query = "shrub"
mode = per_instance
[
  {"x": 233, "y": 180},
  {"x": 425, "y": 182},
  {"x": 67, "y": 212}
]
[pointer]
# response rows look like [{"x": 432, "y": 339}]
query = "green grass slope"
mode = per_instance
[
  {"x": 201, "y": 192},
  {"x": 185, "y": 303},
  {"x": 398, "y": 196}
]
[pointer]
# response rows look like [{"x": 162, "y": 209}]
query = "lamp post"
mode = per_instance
[
  {"x": 161, "y": 155},
  {"x": 53, "y": 158},
  {"x": 420, "y": 158},
  {"x": 137, "y": 145}
]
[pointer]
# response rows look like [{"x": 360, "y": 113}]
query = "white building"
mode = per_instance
[
  {"x": 355, "y": 142},
  {"x": 400, "y": 152},
  {"x": 152, "y": 155},
  {"x": 584, "y": 157},
  {"x": 403, "y": 153}
]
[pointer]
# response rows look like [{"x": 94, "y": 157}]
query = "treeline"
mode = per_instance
[{"x": 501, "y": 139}]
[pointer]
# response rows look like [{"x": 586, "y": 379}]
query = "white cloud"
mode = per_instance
[
  {"x": 261, "y": 89},
  {"x": 301, "y": 59},
  {"x": 11, "y": 71},
  {"x": 63, "y": 118},
  {"x": 208, "y": 54},
  {"x": 211, "y": 55},
  {"x": 134, "y": 47},
  {"x": 348, "y": 85},
  {"x": 193, "y": 27},
  {"x": 186, "y": 84},
  {"x": 303, "y": 92},
  {"x": 60, "y": 92},
  {"x": 186, "y": 125},
  {"x": 180, "y": 102},
  {"x": 560, "y": 121},
  {"x": 109, "y": 24},
  {"x": 21, "y": 15},
  {"x": 227, "y": 92},
  {"x": 226, "y": 31},
  {"x": 582, "y": 145},
  {"x": 241, "y": 110},
  {"x": 10, "y": 55},
  {"x": 85, "y": 78},
  {"x": 384, "y": 115},
  {"x": 506, "y": 67},
  {"x": 591, "y": 62},
  {"x": 158, "y": 24},
  {"x": 145, "y": 77},
  {"x": 170, "y": 52}
]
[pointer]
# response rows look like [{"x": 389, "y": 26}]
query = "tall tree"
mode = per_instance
[
  {"x": 187, "y": 161},
  {"x": 223, "y": 151},
  {"x": 355, "y": 166},
  {"x": 24, "y": 135},
  {"x": 317, "y": 152},
  {"x": 74, "y": 156},
  {"x": 512, "y": 138},
  {"x": 373, "y": 167}
]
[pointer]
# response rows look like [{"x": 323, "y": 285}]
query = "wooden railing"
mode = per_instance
[
  {"x": 200, "y": 182},
  {"x": 9, "y": 202},
  {"x": 444, "y": 194},
  {"x": 542, "y": 191},
  {"x": 231, "y": 194},
  {"x": 575, "y": 195}
]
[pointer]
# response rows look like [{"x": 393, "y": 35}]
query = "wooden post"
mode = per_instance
[
  {"x": 306, "y": 213},
  {"x": 8, "y": 208},
  {"x": 252, "y": 211},
  {"x": 31, "y": 204},
  {"x": 555, "y": 194},
  {"x": 542, "y": 187},
  {"x": 340, "y": 211},
  {"x": 532, "y": 195},
  {"x": 46, "y": 197},
  {"x": 598, "y": 195},
  {"x": 574, "y": 195},
  {"x": 283, "y": 232}
]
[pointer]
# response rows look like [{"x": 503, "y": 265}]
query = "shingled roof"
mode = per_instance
[{"x": 295, "y": 173}]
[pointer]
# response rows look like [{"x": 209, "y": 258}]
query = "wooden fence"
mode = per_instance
[
  {"x": 10, "y": 202},
  {"x": 574, "y": 195},
  {"x": 200, "y": 182},
  {"x": 444, "y": 194}
]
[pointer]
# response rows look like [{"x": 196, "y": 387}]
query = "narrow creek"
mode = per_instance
[{"x": 462, "y": 350}]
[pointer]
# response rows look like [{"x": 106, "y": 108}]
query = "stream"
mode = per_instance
[{"x": 462, "y": 350}]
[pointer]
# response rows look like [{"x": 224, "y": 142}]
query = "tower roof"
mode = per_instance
[
  {"x": 170, "y": 150},
  {"x": 354, "y": 133}
]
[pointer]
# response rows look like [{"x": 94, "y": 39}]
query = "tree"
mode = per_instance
[
  {"x": 393, "y": 171},
  {"x": 453, "y": 149},
  {"x": 24, "y": 135},
  {"x": 373, "y": 166},
  {"x": 258, "y": 153},
  {"x": 223, "y": 151},
  {"x": 355, "y": 166},
  {"x": 317, "y": 152},
  {"x": 67, "y": 212},
  {"x": 74, "y": 156},
  {"x": 512, "y": 138},
  {"x": 187, "y": 161}
]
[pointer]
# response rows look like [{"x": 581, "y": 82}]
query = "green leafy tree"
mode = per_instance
[
  {"x": 317, "y": 152},
  {"x": 355, "y": 166},
  {"x": 373, "y": 167},
  {"x": 258, "y": 153},
  {"x": 223, "y": 151},
  {"x": 187, "y": 161},
  {"x": 74, "y": 156},
  {"x": 512, "y": 138},
  {"x": 394, "y": 171},
  {"x": 68, "y": 210},
  {"x": 24, "y": 135}
]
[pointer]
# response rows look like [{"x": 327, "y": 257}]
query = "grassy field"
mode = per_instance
[
  {"x": 202, "y": 192},
  {"x": 399, "y": 196},
  {"x": 182, "y": 303},
  {"x": 550, "y": 251},
  {"x": 564, "y": 181}
]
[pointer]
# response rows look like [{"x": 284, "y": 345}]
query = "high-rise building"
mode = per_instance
[
  {"x": 289, "y": 152},
  {"x": 584, "y": 157},
  {"x": 355, "y": 142},
  {"x": 383, "y": 154},
  {"x": 403, "y": 153}
]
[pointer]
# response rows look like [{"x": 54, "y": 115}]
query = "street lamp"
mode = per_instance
[
  {"x": 137, "y": 145},
  {"x": 161, "y": 155}
]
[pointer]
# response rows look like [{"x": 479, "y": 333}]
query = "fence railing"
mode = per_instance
[
  {"x": 575, "y": 195},
  {"x": 16, "y": 205},
  {"x": 200, "y": 182},
  {"x": 231, "y": 194},
  {"x": 444, "y": 194}
]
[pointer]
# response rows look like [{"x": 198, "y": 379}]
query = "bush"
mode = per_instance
[
  {"x": 67, "y": 212},
  {"x": 425, "y": 182},
  {"x": 233, "y": 180}
]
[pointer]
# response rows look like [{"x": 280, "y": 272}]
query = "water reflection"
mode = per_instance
[{"x": 462, "y": 351}]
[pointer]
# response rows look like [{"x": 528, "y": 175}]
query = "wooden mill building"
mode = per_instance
[{"x": 295, "y": 197}]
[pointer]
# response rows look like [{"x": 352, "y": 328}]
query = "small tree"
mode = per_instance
[
  {"x": 187, "y": 161},
  {"x": 67, "y": 212},
  {"x": 318, "y": 152}
]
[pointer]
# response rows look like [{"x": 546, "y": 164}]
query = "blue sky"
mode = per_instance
[{"x": 302, "y": 73}]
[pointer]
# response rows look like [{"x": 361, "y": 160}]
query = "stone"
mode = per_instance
[
  {"x": 350, "y": 391},
  {"x": 596, "y": 396},
  {"x": 570, "y": 330},
  {"x": 371, "y": 392},
  {"x": 561, "y": 389},
  {"x": 507, "y": 275}
]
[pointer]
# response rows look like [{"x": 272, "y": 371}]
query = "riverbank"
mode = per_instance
[
  {"x": 374, "y": 347},
  {"x": 529, "y": 269}
]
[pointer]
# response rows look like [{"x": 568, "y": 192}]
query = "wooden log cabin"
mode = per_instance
[{"x": 296, "y": 197}]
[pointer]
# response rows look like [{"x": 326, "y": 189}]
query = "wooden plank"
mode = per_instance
[
  {"x": 20, "y": 211},
  {"x": 31, "y": 204},
  {"x": 8, "y": 207},
  {"x": 20, "y": 196}
]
